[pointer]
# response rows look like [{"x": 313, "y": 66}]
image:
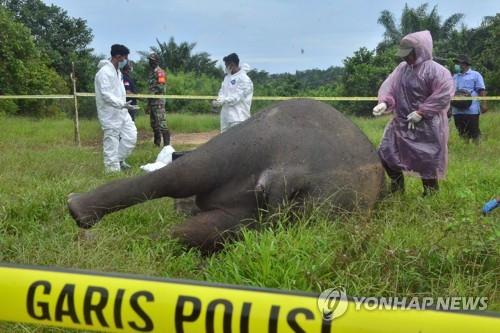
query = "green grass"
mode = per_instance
[{"x": 409, "y": 246}]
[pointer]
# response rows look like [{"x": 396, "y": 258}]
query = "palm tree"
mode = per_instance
[
  {"x": 416, "y": 19},
  {"x": 180, "y": 58}
]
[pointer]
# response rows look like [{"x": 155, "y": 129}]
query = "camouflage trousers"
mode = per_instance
[{"x": 158, "y": 121}]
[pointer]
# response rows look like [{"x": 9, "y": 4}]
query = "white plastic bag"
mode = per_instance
[
  {"x": 164, "y": 158},
  {"x": 165, "y": 155}
]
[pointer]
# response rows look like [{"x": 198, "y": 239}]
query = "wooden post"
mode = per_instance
[{"x": 75, "y": 98}]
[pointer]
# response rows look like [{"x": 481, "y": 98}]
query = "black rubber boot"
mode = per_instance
[
  {"x": 431, "y": 186},
  {"x": 397, "y": 179},
  {"x": 157, "y": 138},
  {"x": 397, "y": 183},
  {"x": 166, "y": 138}
]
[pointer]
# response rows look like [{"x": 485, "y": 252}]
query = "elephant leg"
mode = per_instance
[
  {"x": 183, "y": 178},
  {"x": 208, "y": 230}
]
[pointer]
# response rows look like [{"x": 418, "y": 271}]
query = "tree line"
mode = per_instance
[{"x": 39, "y": 42}]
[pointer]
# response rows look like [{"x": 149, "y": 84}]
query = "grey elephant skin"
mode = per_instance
[{"x": 293, "y": 151}]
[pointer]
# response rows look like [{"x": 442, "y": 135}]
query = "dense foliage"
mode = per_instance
[
  {"x": 23, "y": 69},
  {"x": 56, "y": 41},
  {"x": 60, "y": 38},
  {"x": 39, "y": 42}
]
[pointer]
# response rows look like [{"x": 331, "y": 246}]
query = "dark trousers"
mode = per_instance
[
  {"x": 158, "y": 121},
  {"x": 467, "y": 126},
  {"x": 132, "y": 113}
]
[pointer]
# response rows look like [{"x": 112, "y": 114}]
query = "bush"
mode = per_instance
[
  {"x": 191, "y": 84},
  {"x": 364, "y": 73},
  {"x": 24, "y": 71},
  {"x": 8, "y": 107}
]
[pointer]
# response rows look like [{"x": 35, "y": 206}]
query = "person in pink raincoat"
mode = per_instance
[{"x": 418, "y": 92}]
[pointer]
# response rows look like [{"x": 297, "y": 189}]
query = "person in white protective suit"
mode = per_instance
[
  {"x": 119, "y": 131},
  {"x": 235, "y": 94}
]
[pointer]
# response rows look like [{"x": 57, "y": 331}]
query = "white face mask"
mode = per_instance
[
  {"x": 122, "y": 63},
  {"x": 227, "y": 70}
]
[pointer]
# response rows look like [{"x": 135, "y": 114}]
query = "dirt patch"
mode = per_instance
[
  {"x": 144, "y": 136},
  {"x": 194, "y": 139}
]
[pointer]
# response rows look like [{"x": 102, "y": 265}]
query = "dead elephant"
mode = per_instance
[{"x": 290, "y": 151}]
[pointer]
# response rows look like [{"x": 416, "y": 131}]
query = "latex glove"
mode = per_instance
[
  {"x": 380, "y": 109},
  {"x": 413, "y": 118},
  {"x": 217, "y": 103},
  {"x": 131, "y": 107}
]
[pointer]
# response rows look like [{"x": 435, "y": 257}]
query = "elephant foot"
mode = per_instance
[
  {"x": 84, "y": 217},
  {"x": 207, "y": 231}
]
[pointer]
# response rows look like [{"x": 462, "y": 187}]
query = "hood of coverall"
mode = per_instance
[
  {"x": 422, "y": 44},
  {"x": 105, "y": 62},
  {"x": 245, "y": 67}
]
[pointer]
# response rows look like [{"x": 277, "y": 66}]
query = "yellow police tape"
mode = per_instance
[
  {"x": 255, "y": 98},
  {"x": 125, "y": 303},
  {"x": 36, "y": 96}
]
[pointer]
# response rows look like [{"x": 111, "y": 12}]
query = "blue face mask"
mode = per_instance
[
  {"x": 122, "y": 64},
  {"x": 457, "y": 68}
]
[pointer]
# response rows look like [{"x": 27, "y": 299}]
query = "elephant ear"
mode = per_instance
[{"x": 277, "y": 186}]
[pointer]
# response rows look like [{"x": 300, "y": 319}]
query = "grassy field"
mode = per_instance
[{"x": 410, "y": 246}]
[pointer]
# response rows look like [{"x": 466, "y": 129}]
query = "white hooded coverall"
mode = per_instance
[
  {"x": 119, "y": 131},
  {"x": 235, "y": 95}
]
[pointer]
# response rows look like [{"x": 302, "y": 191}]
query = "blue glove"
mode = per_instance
[{"x": 489, "y": 206}]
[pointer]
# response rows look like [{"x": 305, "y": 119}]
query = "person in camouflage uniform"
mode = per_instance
[{"x": 156, "y": 107}]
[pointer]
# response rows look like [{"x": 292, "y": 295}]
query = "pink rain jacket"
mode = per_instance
[{"x": 426, "y": 87}]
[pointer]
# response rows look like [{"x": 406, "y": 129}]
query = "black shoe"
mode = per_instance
[{"x": 125, "y": 166}]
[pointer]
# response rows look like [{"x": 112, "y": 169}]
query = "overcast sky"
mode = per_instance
[{"x": 274, "y": 35}]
